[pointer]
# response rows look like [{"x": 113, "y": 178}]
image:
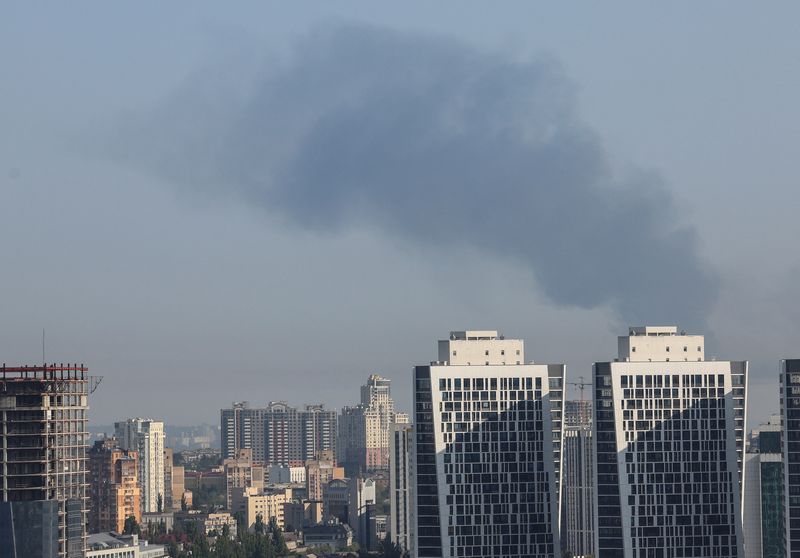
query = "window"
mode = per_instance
[
  {"x": 486, "y": 352},
  {"x": 667, "y": 349},
  {"x": 454, "y": 353},
  {"x": 502, "y": 351},
  {"x": 685, "y": 349},
  {"x": 633, "y": 349}
]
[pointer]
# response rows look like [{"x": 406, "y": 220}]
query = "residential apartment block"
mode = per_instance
[
  {"x": 146, "y": 437},
  {"x": 669, "y": 431},
  {"x": 487, "y": 451}
]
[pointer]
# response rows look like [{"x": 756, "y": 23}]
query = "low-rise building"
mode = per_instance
[
  {"x": 282, "y": 474},
  {"x": 332, "y": 534},
  {"x": 300, "y": 513},
  {"x": 336, "y": 501},
  {"x": 268, "y": 504},
  {"x": 219, "y": 523},
  {"x": 113, "y": 545}
]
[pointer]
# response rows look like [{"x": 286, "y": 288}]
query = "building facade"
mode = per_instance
[
  {"x": 669, "y": 431},
  {"x": 43, "y": 465},
  {"x": 577, "y": 493},
  {"x": 114, "y": 486},
  {"x": 146, "y": 437},
  {"x": 487, "y": 451}
]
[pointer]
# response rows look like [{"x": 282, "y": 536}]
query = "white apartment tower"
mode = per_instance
[
  {"x": 669, "y": 439},
  {"x": 486, "y": 457},
  {"x": 147, "y": 437}
]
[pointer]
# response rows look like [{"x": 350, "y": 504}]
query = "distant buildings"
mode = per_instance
[
  {"x": 114, "y": 486},
  {"x": 146, "y": 437},
  {"x": 43, "y": 465},
  {"x": 670, "y": 448},
  {"x": 365, "y": 430},
  {"x": 320, "y": 472},
  {"x": 487, "y": 452},
  {"x": 175, "y": 494},
  {"x": 278, "y": 434}
]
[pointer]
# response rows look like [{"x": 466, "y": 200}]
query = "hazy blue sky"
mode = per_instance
[{"x": 207, "y": 204}]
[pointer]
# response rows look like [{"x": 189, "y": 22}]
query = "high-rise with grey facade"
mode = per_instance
[
  {"x": 763, "y": 493},
  {"x": 146, "y": 437},
  {"x": 400, "y": 494},
  {"x": 790, "y": 414},
  {"x": 577, "y": 478},
  {"x": 43, "y": 466},
  {"x": 487, "y": 451},
  {"x": 669, "y": 430}
]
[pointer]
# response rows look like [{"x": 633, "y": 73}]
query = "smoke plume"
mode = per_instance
[{"x": 440, "y": 144}]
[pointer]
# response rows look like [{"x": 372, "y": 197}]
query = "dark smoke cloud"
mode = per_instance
[{"x": 439, "y": 144}]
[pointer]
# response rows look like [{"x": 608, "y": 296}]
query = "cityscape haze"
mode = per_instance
[{"x": 253, "y": 222}]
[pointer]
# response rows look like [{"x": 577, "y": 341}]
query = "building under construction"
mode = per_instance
[{"x": 43, "y": 469}]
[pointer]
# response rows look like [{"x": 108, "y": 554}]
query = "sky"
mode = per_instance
[{"x": 207, "y": 204}]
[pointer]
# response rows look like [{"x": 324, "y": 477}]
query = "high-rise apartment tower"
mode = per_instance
[
  {"x": 146, "y": 437},
  {"x": 487, "y": 451},
  {"x": 669, "y": 433}
]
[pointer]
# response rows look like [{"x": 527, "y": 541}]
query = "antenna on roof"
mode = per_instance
[{"x": 44, "y": 362}]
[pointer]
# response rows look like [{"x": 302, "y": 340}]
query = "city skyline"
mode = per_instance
[{"x": 218, "y": 254}]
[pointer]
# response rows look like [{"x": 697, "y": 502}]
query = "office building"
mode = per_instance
[
  {"x": 400, "y": 485},
  {"x": 487, "y": 451},
  {"x": 669, "y": 430},
  {"x": 146, "y": 437},
  {"x": 278, "y": 434},
  {"x": 43, "y": 473},
  {"x": 577, "y": 477},
  {"x": 114, "y": 486},
  {"x": 763, "y": 492},
  {"x": 790, "y": 414}
]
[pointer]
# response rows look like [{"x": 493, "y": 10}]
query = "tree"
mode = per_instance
[
  {"x": 390, "y": 549},
  {"x": 160, "y": 503},
  {"x": 259, "y": 526},
  {"x": 131, "y": 526},
  {"x": 184, "y": 504},
  {"x": 278, "y": 542}
]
